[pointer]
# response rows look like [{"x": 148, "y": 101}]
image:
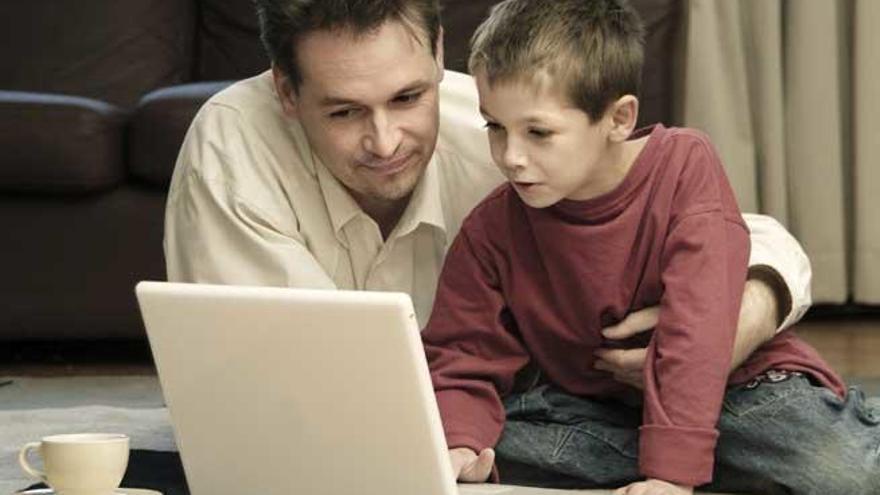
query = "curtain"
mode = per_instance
[{"x": 789, "y": 92}]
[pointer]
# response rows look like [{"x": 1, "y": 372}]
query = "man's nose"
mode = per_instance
[{"x": 383, "y": 137}]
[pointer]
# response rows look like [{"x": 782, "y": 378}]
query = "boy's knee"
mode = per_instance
[{"x": 833, "y": 471}]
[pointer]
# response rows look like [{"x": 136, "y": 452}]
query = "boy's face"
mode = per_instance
[{"x": 548, "y": 148}]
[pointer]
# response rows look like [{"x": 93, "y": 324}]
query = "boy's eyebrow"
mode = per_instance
[
  {"x": 332, "y": 101},
  {"x": 532, "y": 119}
]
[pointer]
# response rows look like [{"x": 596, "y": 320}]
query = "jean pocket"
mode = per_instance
[
  {"x": 743, "y": 400},
  {"x": 868, "y": 411},
  {"x": 605, "y": 458},
  {"x": 595, "y": 442}
]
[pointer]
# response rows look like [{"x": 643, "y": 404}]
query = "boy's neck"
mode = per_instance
[{"x": 619, "y": 159}]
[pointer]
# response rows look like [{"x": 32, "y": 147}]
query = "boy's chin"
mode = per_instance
[{"x": 537, "y": 203}]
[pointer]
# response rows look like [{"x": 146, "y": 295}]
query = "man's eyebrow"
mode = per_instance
[
  {"x": 416, "y": 86},
  {"x": 335, "y": 101},
  {"x": 485, "y": 112}
]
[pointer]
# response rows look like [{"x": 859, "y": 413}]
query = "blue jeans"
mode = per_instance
[{"x": 786, "y": 437}]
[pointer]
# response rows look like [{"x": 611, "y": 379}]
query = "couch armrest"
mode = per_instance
[
  {"x": 159, "y": 125},
  {"x": 54, "y": 143}
]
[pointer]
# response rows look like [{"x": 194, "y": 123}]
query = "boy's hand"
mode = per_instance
[
  {"x": 627, "y": 364},
  {"x": 468, "y": 466},
  {"x": 654, "y": 487}
]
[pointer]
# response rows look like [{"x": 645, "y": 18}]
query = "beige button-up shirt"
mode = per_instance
[{"x": 251, "y": 204}]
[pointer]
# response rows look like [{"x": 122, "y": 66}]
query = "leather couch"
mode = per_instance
[{"x": 95, "y": 98}]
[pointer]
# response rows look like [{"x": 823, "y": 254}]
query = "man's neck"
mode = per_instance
[{"x": 386, "y": 213}]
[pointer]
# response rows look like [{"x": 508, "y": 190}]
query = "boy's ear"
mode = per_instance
[
  {"x": 624, "y": 113},
  {"x": 285, "y": 91},
  {"x": 438, "y": 50}
]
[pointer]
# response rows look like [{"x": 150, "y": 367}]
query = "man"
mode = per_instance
[{"x": 352, "y": 163}]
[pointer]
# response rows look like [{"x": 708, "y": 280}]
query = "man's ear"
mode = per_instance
[
  {"x": 285, "y": 91},
  {"x": 624, "y": 113},
  {"x": 438, "y": 51}
]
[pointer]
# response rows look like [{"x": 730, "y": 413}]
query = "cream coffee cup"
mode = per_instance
[{"x": 79, "y": 464}]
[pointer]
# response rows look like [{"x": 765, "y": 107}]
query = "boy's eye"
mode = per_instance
[
  {"x": 540, "y": 133},
  {"x": 493, "y": 127}
]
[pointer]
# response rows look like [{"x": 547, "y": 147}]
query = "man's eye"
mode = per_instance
[
  {"x": 342, "y": 113},
  {"x": 408, "y": 98}
]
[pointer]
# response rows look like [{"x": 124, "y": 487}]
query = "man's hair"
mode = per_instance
[
  {"x": 284, "y": 22},
  {"x": 592, "y": 48}
]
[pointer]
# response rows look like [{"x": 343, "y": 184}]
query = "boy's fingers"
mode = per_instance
[
  {"x": 460, "y": 458},
  {"x": 479, "y": 468},
  {"x": 633, "y": 324}
]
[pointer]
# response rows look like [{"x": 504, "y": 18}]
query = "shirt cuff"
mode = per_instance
[
  {"x": 677, "y": 454},
  {"x": 779, "y": 255}
]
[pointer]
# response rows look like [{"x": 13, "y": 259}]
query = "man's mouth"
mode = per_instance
[{"x": 389, "y": 167}]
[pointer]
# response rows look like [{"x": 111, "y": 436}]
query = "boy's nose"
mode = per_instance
[{"x": 513, "y": 158}]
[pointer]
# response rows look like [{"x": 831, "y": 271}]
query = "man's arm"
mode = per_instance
[
  {"x": 778, "y": 260},
  {"x": 757, "y": 324},
  {"x": 213, "y": 237},
  {"x": 776, "y": 296},
  {"x": 213, "y": 234}
]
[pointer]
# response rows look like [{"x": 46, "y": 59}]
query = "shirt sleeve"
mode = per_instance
[
  {"x": 213, "y": 235},
  {"x": 777, "y": 252},
  {"x": 704, "y": 266},
  {"x": 472, "y": 348}
]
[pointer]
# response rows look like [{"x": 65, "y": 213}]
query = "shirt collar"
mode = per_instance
[
  {"x": 341, "y": 206},
  {"x": 424, "y": 205}
]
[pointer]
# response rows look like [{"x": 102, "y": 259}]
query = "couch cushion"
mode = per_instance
[
  {"x": 55, "y": 143},
  {"x": 229, "y": 41},
  {"x": 109, "y": 50},
  {"x": 159, "y": 125},
  {"x": 70, "y": 263}
]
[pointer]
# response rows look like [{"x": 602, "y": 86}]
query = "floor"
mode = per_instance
[
  {"x": 122, "y": 375},
  {"x": 850, "y": 345}
]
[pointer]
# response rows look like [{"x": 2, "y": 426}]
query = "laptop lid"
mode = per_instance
[{"x": 279, "y": 391}]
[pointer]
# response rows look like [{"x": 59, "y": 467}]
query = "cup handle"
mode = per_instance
[{"x": 22, "y": 459}]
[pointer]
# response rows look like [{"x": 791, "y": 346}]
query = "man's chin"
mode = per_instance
[{"x": 403, "y": 182}]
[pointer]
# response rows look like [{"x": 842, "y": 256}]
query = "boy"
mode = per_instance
[{"x": 598, "y": 221}]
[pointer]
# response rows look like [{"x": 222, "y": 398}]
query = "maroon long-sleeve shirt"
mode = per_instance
[{"x": 523, "y": 284}]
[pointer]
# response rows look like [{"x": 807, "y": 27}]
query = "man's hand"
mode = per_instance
[
  {"x": 654, "y": 487},
  {"x": 758, "y": 317},
  {"x": 468, "y": 466},
  {"x": 627, "y": 364}
]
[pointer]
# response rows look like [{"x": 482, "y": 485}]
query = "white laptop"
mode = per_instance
[{"x": 277, "y": 391}]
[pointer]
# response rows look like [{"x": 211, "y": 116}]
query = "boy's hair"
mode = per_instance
[
  {"x": 592, "y": 48},
  {"x": 284, "y": 22}
]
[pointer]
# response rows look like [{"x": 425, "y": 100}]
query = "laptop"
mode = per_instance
[{"x": 277, "y": 391}]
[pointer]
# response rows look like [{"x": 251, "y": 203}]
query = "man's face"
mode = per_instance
[{"x": 369, "y": 107}]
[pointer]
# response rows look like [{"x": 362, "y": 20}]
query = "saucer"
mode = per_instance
[{"x": 119, "y": 491}]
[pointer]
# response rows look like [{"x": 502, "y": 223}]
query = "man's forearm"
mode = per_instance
[{"x": 758, "y": 320}]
